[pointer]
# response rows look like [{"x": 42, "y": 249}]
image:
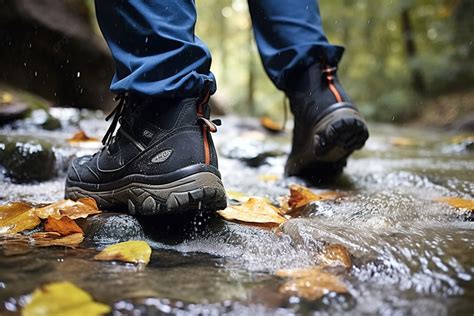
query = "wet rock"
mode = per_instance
[
  {"x": 27, "y": 161},
  {"x": 12, "y": 111},
  {"x": 110, "y": 228},
  {"x": 253, "y": 153}
]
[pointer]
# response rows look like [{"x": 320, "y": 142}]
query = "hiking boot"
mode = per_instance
[
  {"x": 162, "y": 159},
  {"x": 328, "y": 126}
]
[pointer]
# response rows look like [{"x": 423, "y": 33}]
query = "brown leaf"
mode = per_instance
[
  {"x": 270, "y": 125},
  {"x": 133, "y": 251},
  {"x": 72, "y": 209},
  {"x": 335, "y": 255},
  {"x": 255, "y": 210},
  {"x": 310, "y": 283},
  {"x": 301, "y": 196},
  {"x": 81, "y": 136},
  {"x": 64, "y": 226},
  {"x": 458, "y": 202},
  {"x": 48, "y": 239},
  {"x": 16, "y": 217}
]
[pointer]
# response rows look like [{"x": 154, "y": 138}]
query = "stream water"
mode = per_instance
[{"x": 411, "y": 254}]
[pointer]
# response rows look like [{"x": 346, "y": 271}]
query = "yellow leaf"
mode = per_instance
[
  {"x": 458, "y": 202},
  {"x": 255, "y": 210},
  {"x": 310, "y": 283},
  {"x": 335, "y": 255},
  {"x": 16, "y": 217},
  {"x": 459, "y": 139},
  {"x": 270, "y": 125},
  {"x": 49, "y": 239},
  {"x": 134, "y": 251},
  {"x": 72, "y": 209},
  {"x": 64, "y": 226},
  {"x": 7, "y": 98},
  {"x": 403, "y": 142},
  {"x": 65, "y": 299},
  {"x": 269, "y": 177}
]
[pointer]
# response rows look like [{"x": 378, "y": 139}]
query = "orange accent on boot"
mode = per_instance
[
  {"x": 332, "y": 86},
  {"x": 200, "y": 113},
  {"x": 207, "y": 151}
]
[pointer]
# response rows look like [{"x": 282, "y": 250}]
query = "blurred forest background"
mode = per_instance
[{"x": 405, "y": 59}]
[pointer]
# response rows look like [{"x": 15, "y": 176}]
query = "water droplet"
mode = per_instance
[{"x": 78, "y": 74}]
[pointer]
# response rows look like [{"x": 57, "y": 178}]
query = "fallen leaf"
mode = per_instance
[
  {"x": 6, "y": 98},
  {"x": 255, "y": 210},
  {"x": 301, "y": 196},
  {"x": 134, "y": 251},
  {"x": 64, "y": 226},
  {"x": 270, "y": 125},
  {"x": 310, "y": 283},
  {"x": 63, "y": 298},
  {"x": 403, "y": 142},
  {"x": 459, "y": 139},
  {"x": 16, "y": 217},
  {"x": 458, "y": 202},
  {"x": 269, "y": 177},
  {"x": 72, "y": 209},
  {"x": 81, "y": 136},
  {"x": 335, "y": 255},
  {"x": 49, "y": 239}
]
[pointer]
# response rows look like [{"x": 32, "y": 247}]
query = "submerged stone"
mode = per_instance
[{"x": 111, "y": 228}]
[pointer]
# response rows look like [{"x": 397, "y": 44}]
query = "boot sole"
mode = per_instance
[
  {"x": 335, "y": 137},
  {"x": 202, "y": 191}
]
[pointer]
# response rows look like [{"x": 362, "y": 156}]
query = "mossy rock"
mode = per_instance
[{"x": 28, "y": 161}]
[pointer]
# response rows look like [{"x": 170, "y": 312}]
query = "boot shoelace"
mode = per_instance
[{"x": 115, "y": 116}]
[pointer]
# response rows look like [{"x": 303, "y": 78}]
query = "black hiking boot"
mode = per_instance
[
  {"x": 158, "y": 161},
  {"x": 328, "y": 126}
]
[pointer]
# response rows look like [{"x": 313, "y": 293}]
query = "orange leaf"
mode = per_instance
[
  {"x": 72, "y": 209},
  {"x": 271, "y": 125},
  {"x": 301, "y": 196},
  {"x": 81, "y": 136},
  {"x": 310, "y": 283},
  {"x": 64, "y": 226},
  {"x": 254, "y": 211},
  {"x": 458, "y": 202},
  {"x": 335, "y": 255}
]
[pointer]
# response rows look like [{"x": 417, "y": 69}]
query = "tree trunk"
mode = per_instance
[{"x": 418, "y": 81}]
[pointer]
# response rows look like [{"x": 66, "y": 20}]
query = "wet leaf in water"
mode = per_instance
[
  {"x": 269, "y": 178},
  {"x": 335, "y": 255},
  {"x": 301, "y": 196},
  {"x": 16, "y": 217},
  {"x": 403, "y": 142},
  {"x": 310, "y": 283},
  {"x": 72, "y": 209},
  {"x": 63, "y": 298},
  {"x": 49, "y": 239},
  {"x": 270, "y": 125},
  {"x": 81, "y": 136},
  {"x": 255, "y": 210},
  {"x": 458, "y": 202},
  {"x": 64, "y": 226},
  {"x": 134, "y": 251}
]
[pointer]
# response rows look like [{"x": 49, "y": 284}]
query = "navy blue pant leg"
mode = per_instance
[
  {"x": 154, "y": 47},
  {"x": 290, "y": 38}
]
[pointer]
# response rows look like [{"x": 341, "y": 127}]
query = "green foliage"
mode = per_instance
[{"x": 376, "y": 70}]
